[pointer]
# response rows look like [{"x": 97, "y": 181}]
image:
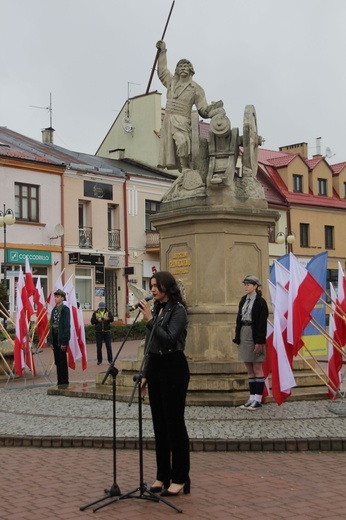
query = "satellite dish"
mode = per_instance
[
  {"x": 59, "y": 230},
  {"x": 127, "y": 125},
  {"x": 329, "y": 153}
]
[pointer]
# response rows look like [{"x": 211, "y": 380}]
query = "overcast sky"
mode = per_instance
[{"x": 286, "y": 57}]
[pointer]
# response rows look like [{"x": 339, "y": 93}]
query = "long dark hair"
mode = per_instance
[{"x": 166, "y": 283}]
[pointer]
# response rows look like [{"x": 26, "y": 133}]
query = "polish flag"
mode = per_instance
[
  {"x": 58, "y": 285},
  {"x": 41, "y": 324},
  {"x": 267, "y": 364},
  {"x": 22, "y": 352},
  {"x": 282, "y": 357},
  {"x": 77, "y": 346},
  {"x": 340, "y": 307},
  {"x": 335, "y": 357},
  {"x": 282, "y": 275},
  {"x": 303, "y": 294}
]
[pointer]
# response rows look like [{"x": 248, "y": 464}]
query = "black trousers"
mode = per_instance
[
  {"x": 168, "y": 379},
  {"x": 60, "y": 360},
  {"x": 106, "y": 337}
]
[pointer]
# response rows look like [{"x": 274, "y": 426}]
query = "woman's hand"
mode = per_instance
[
  {"x": 258, "y": 349},
  {"x": 145, "y": 309},
  {"x": 143, "y": 387}
]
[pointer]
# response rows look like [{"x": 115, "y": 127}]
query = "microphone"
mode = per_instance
[{"x": 147, "y": 299}]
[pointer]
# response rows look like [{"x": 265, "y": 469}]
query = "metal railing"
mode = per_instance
[
  {"x": 114, "y": 239},
  {"x": 86, "y": 238},
  {"x": 153, "y": 239}
]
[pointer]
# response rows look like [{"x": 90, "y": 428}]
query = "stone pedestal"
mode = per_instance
[{"x": 211, "y": 248}]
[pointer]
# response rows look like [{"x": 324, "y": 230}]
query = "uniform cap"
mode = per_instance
[
  {"x": 102, "y": 305},
  {"x": 251, "y": 278},
  {"x": 60, "y": 292}
]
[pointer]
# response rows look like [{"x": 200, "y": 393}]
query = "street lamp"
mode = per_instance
[
  {"x": 7, "y": 218},
  {"x": 286, "y": 238}
]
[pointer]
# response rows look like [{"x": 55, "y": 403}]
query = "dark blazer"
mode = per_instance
[
  {"x": 64, "y": 330},
  {"x": 102, "y": 326},
  {"x": 259, "y": 316},
  {"x": 169, "y": 334}
]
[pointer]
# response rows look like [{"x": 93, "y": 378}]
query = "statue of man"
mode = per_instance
[{"x": 182, "y": 94}]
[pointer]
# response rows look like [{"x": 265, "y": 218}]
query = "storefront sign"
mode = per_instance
[{"x": 17, "y": 256}]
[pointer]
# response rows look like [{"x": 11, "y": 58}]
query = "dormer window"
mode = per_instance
[
  {"x": 322, "y": 187},
  {"x": 298, "y": 183}
]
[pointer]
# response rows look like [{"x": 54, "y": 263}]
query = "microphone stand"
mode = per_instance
[
  {"x": 114, "y": 490},
  {"x": 142, "y": 488}
]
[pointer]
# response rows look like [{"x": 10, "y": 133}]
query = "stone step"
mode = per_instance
[{"x": 227, "y": 399}]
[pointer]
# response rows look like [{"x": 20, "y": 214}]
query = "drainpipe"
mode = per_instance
[
  {"x": 62, "y": 212},
  {"x": 126, "y": 242}
]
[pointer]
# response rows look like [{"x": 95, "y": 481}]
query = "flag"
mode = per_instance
[
  {"x": 335, "y": 357},
  {"x": 282, "y": 357},
  {"x": 29, "y": 282},
  {"x": 73, "y": 349},
  {"x": 41, "y": 324},
  {"x": 284, "y": 261},
  {"x": 282, "y": 275},
  {"x": 58, "y": 285},
  {"x": 303, "y": 294},
  {"x": 267, "y": 363},
  {"x": 317, "y": 266},
  {"x": 340, "y": 308},
  {"x": 22, "y": 352},
  {"x": 77, "y": 346}
]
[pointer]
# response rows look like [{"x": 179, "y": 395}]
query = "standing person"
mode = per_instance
[
  {"x": 250, "y": 335},
  {"x": 182, "y": 94},
  {"x": 102, "y": 319},
  {"x": 59, "y": 335},
  {"x": 166, "y": 372}
]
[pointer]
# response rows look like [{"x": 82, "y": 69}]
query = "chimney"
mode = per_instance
[
  {"x": 47, "y": 135},
  {"x": 318, "y": 147}
]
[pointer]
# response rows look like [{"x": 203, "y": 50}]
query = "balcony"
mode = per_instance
[
  {"x": 114, "y": 239},
  {"x": 86, "y": 238},
  {"x": 153, "y": 241}
]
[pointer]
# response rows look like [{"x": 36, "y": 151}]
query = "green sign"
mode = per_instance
[{"x": 17, "y": 256}]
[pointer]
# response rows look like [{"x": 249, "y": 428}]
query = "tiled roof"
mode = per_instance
[{"x": 337, "y": 168}]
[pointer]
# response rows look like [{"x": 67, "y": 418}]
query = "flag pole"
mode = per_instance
[
  {"x": 158, "y": 51},
  {"x": 6, "y": 314},
  {"x": 334, "y": 390},
  {"x": 324, "y": 333}
]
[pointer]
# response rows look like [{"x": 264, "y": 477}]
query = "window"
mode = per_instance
[
  {"x": 26, "y": 202},
  {"x": 304, "y": 235},
  {"x": 83, "y": 280},
  {"x": 322, "y": 187},
  {"x": 271, "y": 234},
  {"x": 298, "y": 183},
  {"x": 151, "y": 207},
  {"x": 344, "y": 190},
  {"x": 329, "y": 237}
]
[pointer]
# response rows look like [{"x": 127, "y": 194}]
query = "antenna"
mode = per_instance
[
  {"x": 329, "y": 153},
  {"x": 49, "y": 108},
  {"x": 126, "y": 121}
]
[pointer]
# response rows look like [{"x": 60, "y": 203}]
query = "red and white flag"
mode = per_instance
[
  {"x": 267, "y": 363},
  {"x": 303, "y": 294},
  {"x": 58, "y": 285},
  {"x": 335, "y": 357},
  {"x": 282, "y": 375},
  {"x": 22, "y": 351},
  {"x": 77, "y": 345},
  {"x": 41, "y": 324},
  {"x": 340, "y": 307},
  {"x": 282, "y": 275}
]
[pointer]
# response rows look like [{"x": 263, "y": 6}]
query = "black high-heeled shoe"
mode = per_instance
[
  {"x": 186, "y": 488},
  {"x": 158, "y": 489}
]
